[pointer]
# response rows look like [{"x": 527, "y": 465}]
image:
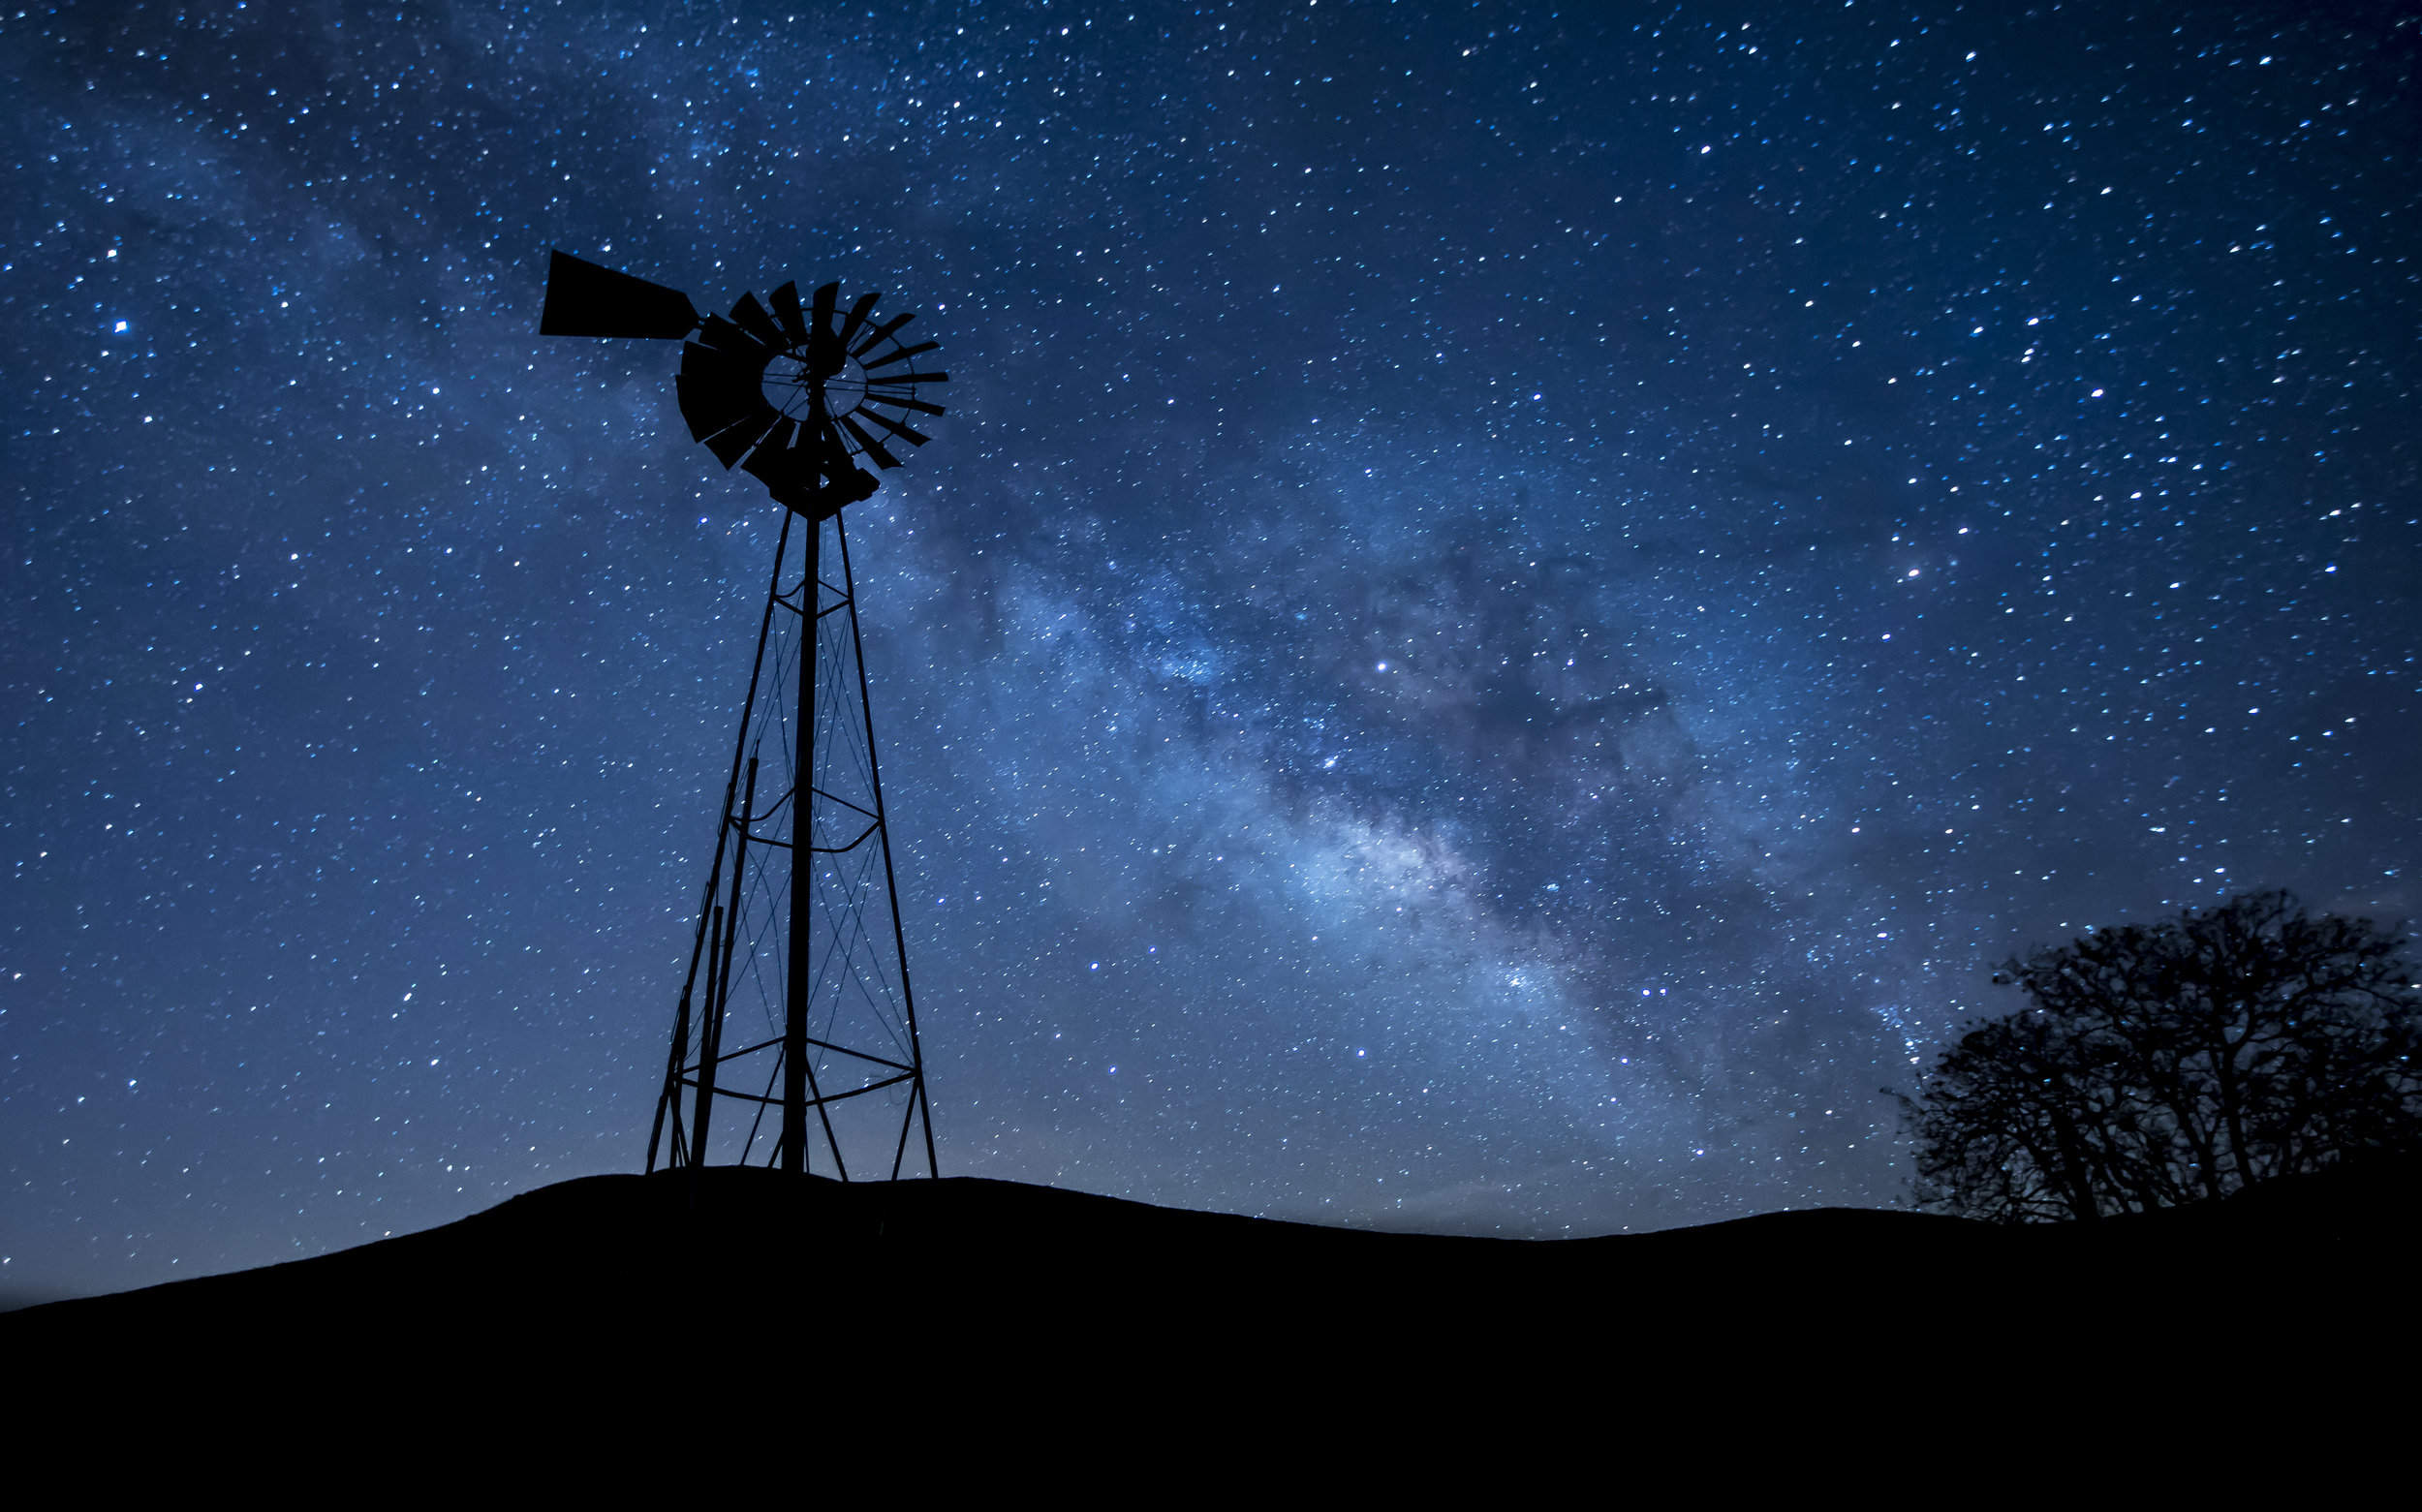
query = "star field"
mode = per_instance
[{"x": 1514, "y": 609}]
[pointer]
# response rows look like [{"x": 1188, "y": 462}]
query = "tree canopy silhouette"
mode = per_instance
[{"x": 2177, "y": 1062}]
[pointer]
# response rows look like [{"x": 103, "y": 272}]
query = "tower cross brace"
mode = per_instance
[{"x": 799, "y": 951}]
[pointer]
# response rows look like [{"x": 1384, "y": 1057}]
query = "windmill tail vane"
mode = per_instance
[{"x": 796, "y": 1012}]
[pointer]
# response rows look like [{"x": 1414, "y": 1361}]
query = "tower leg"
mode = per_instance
[
  {"x": 711, "y": 1047},
  {"x": 917, "y": 1107}
]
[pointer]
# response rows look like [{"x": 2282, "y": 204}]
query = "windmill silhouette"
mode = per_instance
[{"x": 797, "y": 1003}]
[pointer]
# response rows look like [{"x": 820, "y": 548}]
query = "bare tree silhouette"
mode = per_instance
[{"x": 2158, "y": 1065}]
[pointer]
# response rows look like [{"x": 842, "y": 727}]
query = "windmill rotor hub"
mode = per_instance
[{"x": 789, "y": 381}]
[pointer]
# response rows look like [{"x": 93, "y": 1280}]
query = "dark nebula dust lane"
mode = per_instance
[{"x": 1513, "y": 611}]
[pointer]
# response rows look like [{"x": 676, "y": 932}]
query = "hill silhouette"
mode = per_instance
[{"x": 642, "y": 1271}]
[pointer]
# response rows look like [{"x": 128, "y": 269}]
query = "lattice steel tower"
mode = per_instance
[{"x": 796, "y": 1007}]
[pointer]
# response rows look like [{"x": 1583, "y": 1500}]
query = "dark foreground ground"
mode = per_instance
[
  {"x": 703, "y": 1288},
  {"x": 588, "y": 1255}
]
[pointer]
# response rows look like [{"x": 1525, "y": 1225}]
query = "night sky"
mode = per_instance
[{"x": 1513, "y": 613}]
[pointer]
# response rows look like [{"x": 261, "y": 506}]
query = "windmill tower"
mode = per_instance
[{"x": 794, "y": 1039}]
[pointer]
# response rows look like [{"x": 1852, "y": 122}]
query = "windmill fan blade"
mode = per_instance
[
  {"x": 770, "y": 463},
  {"x": 868, "y": 443},
  {"x": 778, "y": 457},
  {"x": 901, "y": 356},
  {"x": 732, "y": 445},
  {"x": 857, "y": 315},
  {"x": 906, "y": 402},
  {"x": 722, "y": 334},
  {"x": 717, "y": 390},
  {"x": 823, "y": 352},
  {"x": 751, "y": 317},
  {"x": 584, "y": 299},
  {"x": 915, "y": 438},
  {"x": 703, "y": 408},
  {"x": 874, "y": 338},
  {"x": 787, "y": 313}
]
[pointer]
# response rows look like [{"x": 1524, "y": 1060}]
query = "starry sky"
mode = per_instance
[{"x": 1514, "y": 609}]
